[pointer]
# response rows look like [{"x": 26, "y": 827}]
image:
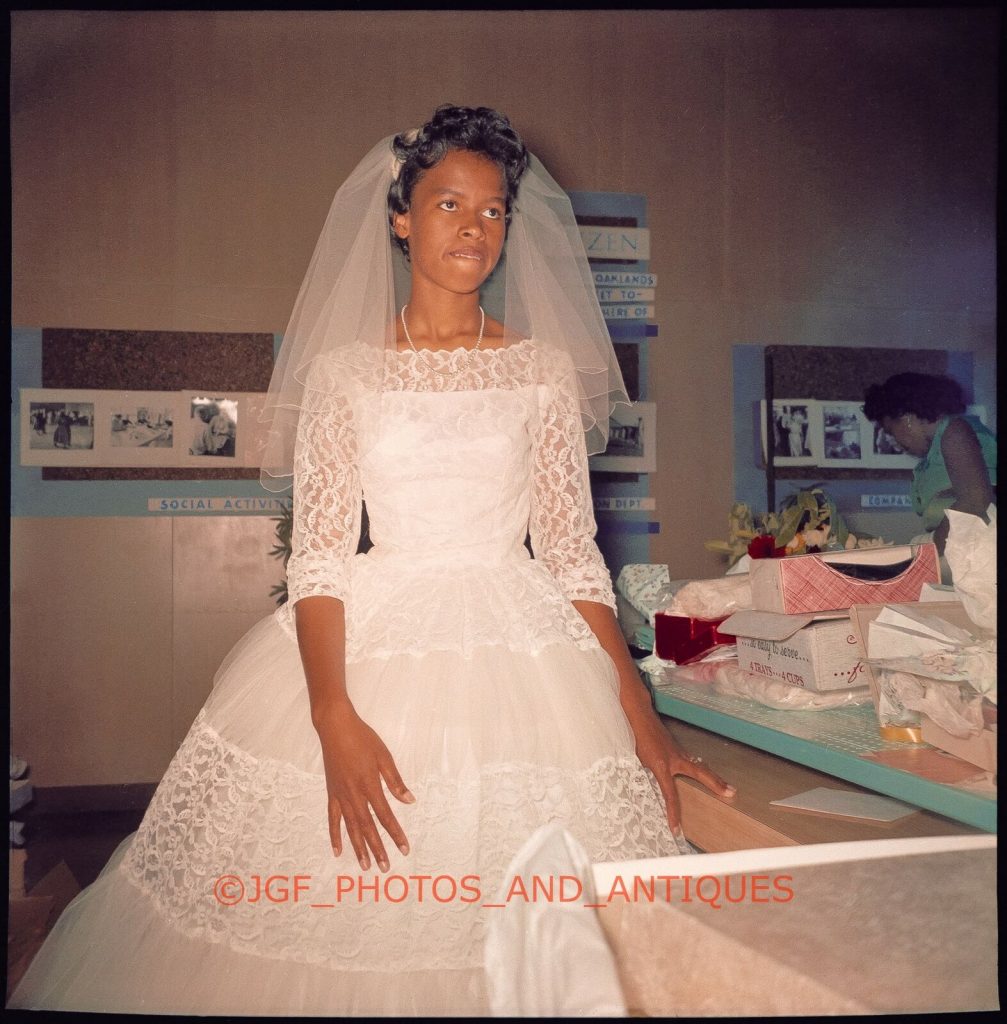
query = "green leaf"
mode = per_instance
[{"x": 790, "y": 521}]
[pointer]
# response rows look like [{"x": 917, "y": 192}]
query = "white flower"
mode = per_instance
[{"x": 408, "y": 137}]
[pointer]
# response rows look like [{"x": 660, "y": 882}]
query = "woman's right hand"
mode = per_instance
[{"x": 356, "y": 760}]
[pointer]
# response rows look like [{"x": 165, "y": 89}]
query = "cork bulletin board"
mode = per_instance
[
  {"x": 831, "y": 372},
  {"x": 836, "y": 374},
  {"x": 147, "y": 361}
]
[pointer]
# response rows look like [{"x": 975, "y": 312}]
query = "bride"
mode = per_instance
[{"x": 372, "y": 756}]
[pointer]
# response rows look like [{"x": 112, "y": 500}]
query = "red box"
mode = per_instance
[
  {"x": 683, "y": 640},
  {"x": 817, "y": 583}
]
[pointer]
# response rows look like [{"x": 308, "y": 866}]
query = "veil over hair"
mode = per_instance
[{"x": 341, "y": 335}]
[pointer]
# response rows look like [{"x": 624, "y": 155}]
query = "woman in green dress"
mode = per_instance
[{"x": 925, "y": 415}]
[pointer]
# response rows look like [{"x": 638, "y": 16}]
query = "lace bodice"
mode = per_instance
[{"x": 475, "y": 451}]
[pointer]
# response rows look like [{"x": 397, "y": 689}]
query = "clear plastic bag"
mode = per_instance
[
  {"x": 708, "y": 599},
  {"x": 892, "y": 713},
  {"x": 955, "y": 707},
  {"x": 732, "y": 681}
]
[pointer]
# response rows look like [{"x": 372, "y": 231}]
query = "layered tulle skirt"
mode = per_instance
[{"x": 229, "y": 900}]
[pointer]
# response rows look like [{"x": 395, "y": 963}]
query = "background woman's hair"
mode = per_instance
[
  {"x": 478, "y": 130},
  {"x": 925, "y": 395}
]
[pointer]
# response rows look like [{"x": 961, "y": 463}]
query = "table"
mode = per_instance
[
  {"x": 772, "y": 754},
  {"x": 907, "y": 926}
]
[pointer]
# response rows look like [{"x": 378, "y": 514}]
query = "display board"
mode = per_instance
[{"x": 144, "y": 362}]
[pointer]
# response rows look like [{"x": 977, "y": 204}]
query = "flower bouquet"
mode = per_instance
[{"x": 808, "y": 521}]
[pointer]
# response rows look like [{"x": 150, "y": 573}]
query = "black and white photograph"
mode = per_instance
[
  {"x": 148, "y": 424},
  {"x": 884, "y": 452},
  {"x": 632, "y": 441},
  {"x": 213, "y": 426},
  {"x": 66, "y": 425},
  {"x": 845, "y": 434},
  {"x": 794, "y": 431},
  {"x": 58, "y": 426},
  {"x": 790, "y": 431}
]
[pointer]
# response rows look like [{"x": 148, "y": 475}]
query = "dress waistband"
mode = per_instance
[{"x": 461, "y": 555}]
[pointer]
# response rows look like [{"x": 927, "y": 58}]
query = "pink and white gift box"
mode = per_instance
[{"x": 799, "y": 584}]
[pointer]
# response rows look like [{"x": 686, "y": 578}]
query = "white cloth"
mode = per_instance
[
  {"x": 712, "y": 599},
  {"x": 465, "y": 655},
  {"x": 971, "y": 551},
  {"x": 546, "y": 953}
]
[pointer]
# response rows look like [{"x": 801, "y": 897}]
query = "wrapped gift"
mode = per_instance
[
  {"x": 684, "y": 639},
  {"x": 643, "y": 586}
]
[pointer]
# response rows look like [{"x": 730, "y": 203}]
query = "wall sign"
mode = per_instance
[{"x": 604, "y": 244}]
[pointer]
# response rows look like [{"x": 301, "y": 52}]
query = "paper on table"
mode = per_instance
[
  {"x": 841, "y": 803},
  {"x": 908, "y": 639},
  {"x": 928, "y": 763},
  {"x": 929, "y": 624},
  {"x": 899, "y": 634}
]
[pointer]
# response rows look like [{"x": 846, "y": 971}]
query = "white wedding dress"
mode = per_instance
[{"x": 463, "y": 653}]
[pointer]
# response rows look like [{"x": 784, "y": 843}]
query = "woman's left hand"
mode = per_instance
[{"x": 659, "y": 752}]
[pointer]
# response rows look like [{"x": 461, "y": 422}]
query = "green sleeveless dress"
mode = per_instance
[{"x": 931, "y": 491}]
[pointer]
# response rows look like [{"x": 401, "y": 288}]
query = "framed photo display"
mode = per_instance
[
  {"x": 833, "y": 435},
  {"x": 146, "y": 429},
  {"x": 213, "y": 428},
  {"x": 846, "y": 435},
  {"x": 137, "y": 428},
  {"x": 632, "y": 441},
  {"x": 58, "y": 427},
  {"x": 796, "y": 433},
  {"x": 883, "y": 451}
]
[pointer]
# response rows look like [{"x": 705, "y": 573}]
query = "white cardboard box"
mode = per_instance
[{"x": 803, "y": 650}]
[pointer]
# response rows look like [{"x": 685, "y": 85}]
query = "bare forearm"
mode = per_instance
[
  {"x": 356, "y": 760},
  {"x": 655, "y": 747},
  {"x": 633, "y": 693},
  {"x": 321, "y": 639}
]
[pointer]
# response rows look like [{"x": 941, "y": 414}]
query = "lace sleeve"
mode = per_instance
[
  {"x": 327, "y": 497},
  {"x": 562, "y": 522}
]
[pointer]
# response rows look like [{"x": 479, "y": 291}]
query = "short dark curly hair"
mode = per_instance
[
  {"x": 476, "y": 129},
  {"x": 923, "y": 394}
]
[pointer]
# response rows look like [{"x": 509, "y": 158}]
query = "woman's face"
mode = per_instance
[
  {"x": 909, "y": 433},
  {"x": 455, "y": 223}
]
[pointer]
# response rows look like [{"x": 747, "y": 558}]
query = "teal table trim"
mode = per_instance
[{"x": 829, "y": 741}]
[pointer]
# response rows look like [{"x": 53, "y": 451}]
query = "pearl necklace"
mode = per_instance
[{"x": 479, "y": 340}]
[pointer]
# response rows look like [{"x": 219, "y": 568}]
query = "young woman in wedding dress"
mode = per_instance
[{"x": 372, "y": 756}]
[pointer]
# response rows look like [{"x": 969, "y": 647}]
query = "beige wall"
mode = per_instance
[
  {"x": 118, "y": 627},
  {"x": 813, "y": 177}
]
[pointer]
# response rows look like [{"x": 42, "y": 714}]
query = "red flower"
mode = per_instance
[{"x": 762, "y": 546}]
